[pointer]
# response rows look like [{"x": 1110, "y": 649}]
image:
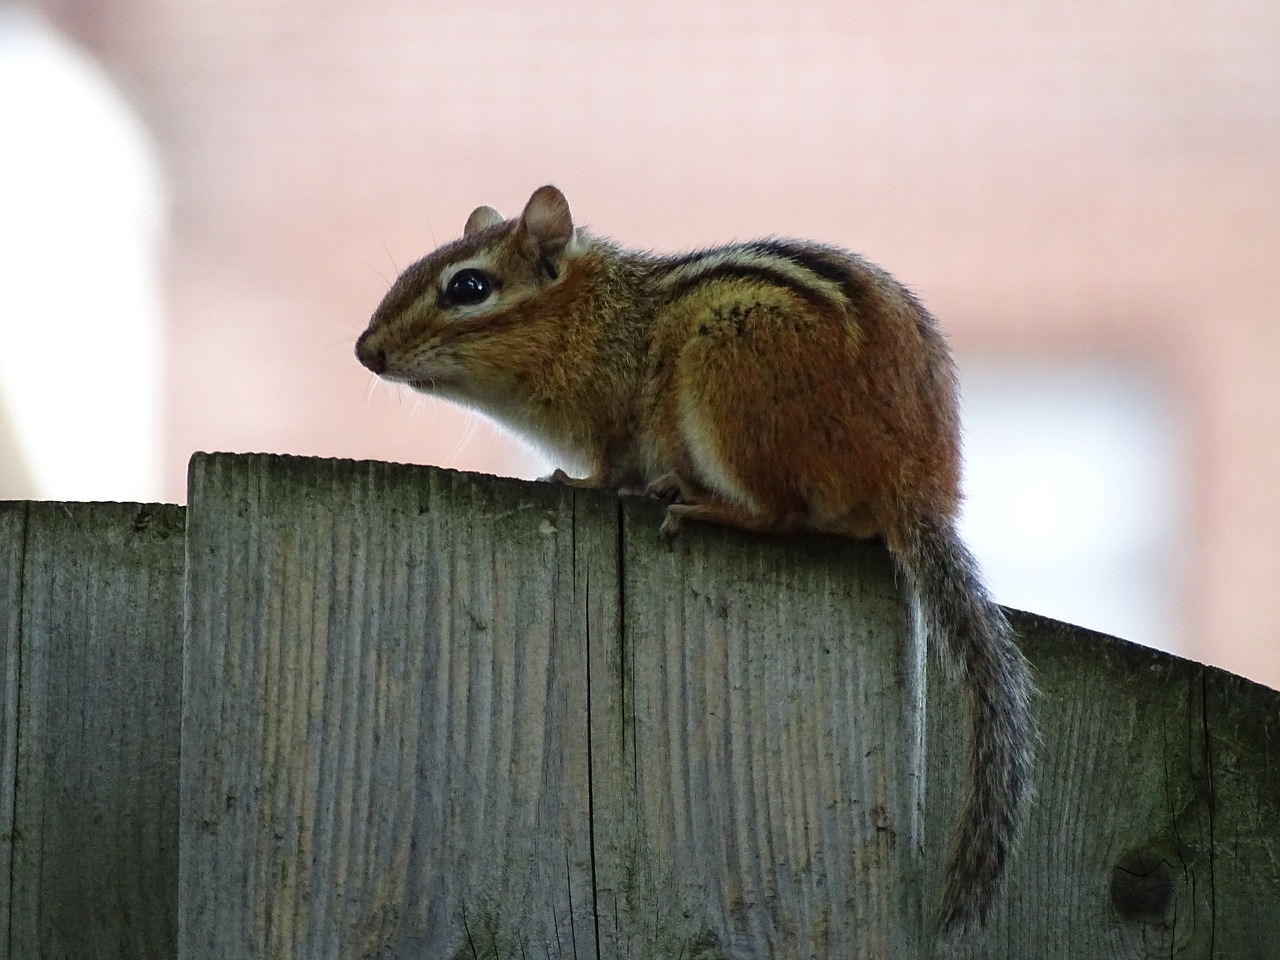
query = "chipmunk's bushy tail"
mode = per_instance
[{"x": 972, "y": 632}]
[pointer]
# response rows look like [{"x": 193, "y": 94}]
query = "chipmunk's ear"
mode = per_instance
[
  {"x": 481, "y": 217},
  {"x": 547, "y": 221}
]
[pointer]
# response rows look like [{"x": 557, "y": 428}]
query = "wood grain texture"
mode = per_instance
[
  {"x": 431, "y": 715},
  {"x": 1241, "y": 811},
  {"x": 98, "y": 635},
  {"x": 1156, "y": 830},
  {"x": 416, "y": 726},
  {"x": 776, "y": 707},
  {"x": 385, "y": 727},
  {"x": 13, "y": 529}
]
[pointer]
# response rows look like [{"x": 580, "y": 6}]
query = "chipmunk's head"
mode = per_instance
[{"x": 472, "y": 319}]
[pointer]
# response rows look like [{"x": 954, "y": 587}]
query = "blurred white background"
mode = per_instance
[
  {"x": 80, "y": 288},
  {"x": 1085, "y": 195}
]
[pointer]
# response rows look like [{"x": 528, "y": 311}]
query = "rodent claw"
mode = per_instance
[
  {"x": 671, "y": 523},
  {"x": 666, "y": 488}
]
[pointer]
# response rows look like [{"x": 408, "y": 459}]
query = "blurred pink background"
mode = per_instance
[{"x": 1087, "y": 195}]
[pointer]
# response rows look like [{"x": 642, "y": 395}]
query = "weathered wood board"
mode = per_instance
[
  {"x": 437, "y": 715},
  {"x": 91, "y": 651},
  {"x": 13, "y": 527},
  {"x": 777, "y": 719}
]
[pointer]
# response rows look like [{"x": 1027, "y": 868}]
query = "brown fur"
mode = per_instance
[{"x": 775, "y": 386}]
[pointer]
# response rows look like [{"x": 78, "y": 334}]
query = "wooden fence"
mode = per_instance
[{"x": 409, "y": 713}]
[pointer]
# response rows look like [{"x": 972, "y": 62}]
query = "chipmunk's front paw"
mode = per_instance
[
  {"x": 673, "y": 522},
  {"x": 666, "y": 487}
]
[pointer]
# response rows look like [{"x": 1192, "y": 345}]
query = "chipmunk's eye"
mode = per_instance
[{"x": 467, "y": 287}]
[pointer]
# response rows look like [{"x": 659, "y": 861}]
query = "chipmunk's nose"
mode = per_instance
[{"x": 373, "y": 357}]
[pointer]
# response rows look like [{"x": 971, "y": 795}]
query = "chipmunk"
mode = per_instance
[{"x": 776, "y": 386}]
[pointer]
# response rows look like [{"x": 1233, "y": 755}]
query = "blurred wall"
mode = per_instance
[{"x": 1069, "y": 186}]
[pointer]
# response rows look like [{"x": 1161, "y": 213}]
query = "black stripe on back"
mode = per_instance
[
  {"x": 829, "y": 264},
  {"x": 758, "y": 273}
]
